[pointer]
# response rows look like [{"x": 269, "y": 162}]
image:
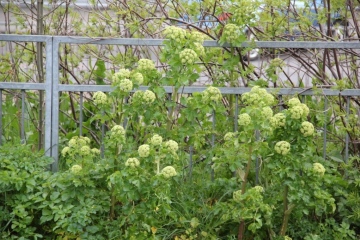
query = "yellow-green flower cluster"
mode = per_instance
[
  {"x": 100, "y": 98},
  {"x": 125, "y": 85},
  {"x": 229, "y": 136},
  {"x": 267, "y": 112},
  {"x": 132, "y": 162},
  {"x": 76, "y": 169},
  {"x": 117, "y": 133},
  {"x": 168, "y": 172},
  {"x": 148, "y": 97},
  {"x": 258, "y": 97},
  {"x": 278, "y": 120},
  {"x": 145, "y": 65},
  {"x": 144, "y": 150},
  {"x": 199, "y": 49},
  {"x": 319, "y": 169},
  {"x": 172, "y": 146},
  {"x": 95, "y": 151},
  {"x": 188, "y": 56},
  {"x": 231, "y": 33},
  {"x": 196, "y": 36},
  {"x": 156, "y": 140},
  {"x": 212, "y": 93},
  {"x": 297, "y": 109},
  {"x": 237, "y": 196},
  {"x": 175, "y": 33},
  {"x": 78, "y": 142},
  {"x": 137, "y": 78},
  {"x": 282, "y": 147},
  {"x": 307, "y": 129},
  {"x": 244, "y": 119},
  {"x": 85, "y": 150},
  {"x": 287, "y": 238},
  {"x": 121, "y": 74},
  {"x": 259, "y": 189}
]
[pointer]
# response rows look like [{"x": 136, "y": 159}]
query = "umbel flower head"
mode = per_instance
[
  {"x": 121, "y": 74},
  {"x": 156, "y": 140},
  {"x": 258, "y": 97},
  {"x": 145, "y": 65},
  {"x": 144, "y": 150},
  {"x": 132, "y": 162},
  {"x": 85, "y": 150},
  {"x": 293, "y": 102},
  {"x": 267, "y": 112},
  {"x": 282, "y": 147},
  {"x": 137, "y": 78},
  {"x": 117, "y": 133},
  {"x": 319, "y": 169},
  {"x": 307, "y": 129},
  {"x": 188, "y": 56},
  {"x": 175, "y": 33},
  {"x": 148, "y": 96},
  {"x": 172, "y": 146},
  {"x": 230, "y": 33},
  {"x": 244, "y": 119},
  {"x": 100, "y": 98},
  {"x": 76, "y": 169},
  {"x": 78, "y": 142},
  {"x": 125, "y": 85},
  {"x": 296, "y": 112},
  {"x": 237, "y": 196},
  {"x": 168, "y": 172},
  {"x": 230, "y": 136},
  {"x": 212, "y": 93}
]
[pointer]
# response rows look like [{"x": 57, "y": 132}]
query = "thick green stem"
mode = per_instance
[
  {"x": 243, "y": 188},
  {"x": 287, "y": 211},
  {"x": 113, "y": 198}
]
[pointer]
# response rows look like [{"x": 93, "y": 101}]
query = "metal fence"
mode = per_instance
[{"x": 52, "y": 86}]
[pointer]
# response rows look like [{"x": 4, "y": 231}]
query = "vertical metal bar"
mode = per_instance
[
  {"x": 257, "y": 136},
  {"x": 81, "y": 113},
  {"x": 347, "y": 134},
  {"x": 213, "y": 144},
  {"x": 48, "y": 96},
  {"x": 236, "y": 112},
  {"x": 22, "y": 120},
  {"x": 325, "y": 126},
  {"x": 55, "y": 106},
  {"x": 1, "y": 114},
  {"x": 280, "y": 103}
]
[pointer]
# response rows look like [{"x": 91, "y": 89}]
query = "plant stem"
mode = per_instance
[
  {"x": 243, "y": 188},
  {"x": 113, "y": 199},
  {"x": 287, "y": 210}
]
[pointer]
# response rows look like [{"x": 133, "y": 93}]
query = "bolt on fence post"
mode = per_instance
[
  {"x": 81, "y": 113},
  {"x": 22, "y": 124}
]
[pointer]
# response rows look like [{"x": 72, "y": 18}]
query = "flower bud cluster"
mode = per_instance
[
  {"x": 237, "y": 196},
  {"x": 278, "y": 120},
  {"x": 188, "y": 56},
  {"x": 244, "y": 119},
  {"x": 78, "y": 142},
  {"x": 229, "y": 136},
  {"x": 117, "y": 134},
  {"x": 137, "y": 78},
  {"x": 258, "y": 97},
  {"x": 79, "y": 146},
  {"x": 132, "y": 162},
  {"x": 172, "y": 146},
  {"x": 267, "y": 112},
  {"x": 175, "y": 33},
  {"x": 121, "y": 74},
  {"x": 307, "y": 129},
  {"x": 297, "y": 109},
  {"x": 168, "y": 172},
  {"x": 199, "y": 49},
  {"x": 75, "y": 169},
  {"x": 125, "y": 85},
  {"x": 145, "y": 65},
  {"x": 156, "y": 140},
  {"x": 282, "y": 147},
  {"x": 318, "y": 168},
  {"x": 144, "y": 150},
  {"x": 259, "y": 189},
  {"x": 100, "y": 98},
  {"x": 230, "y": 33},
  {"x": 197, "y": 37},
  {"x": 212, "y": 93},
  {"x": 143, "y": 97}
]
